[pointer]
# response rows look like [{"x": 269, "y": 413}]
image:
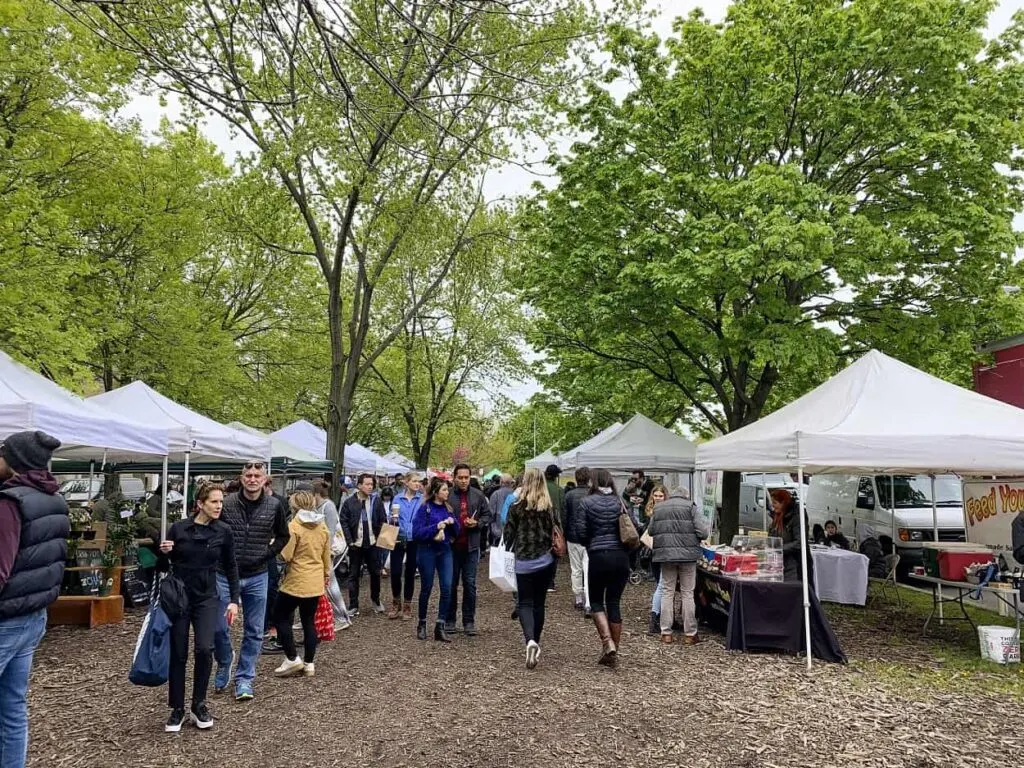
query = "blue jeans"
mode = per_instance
[
  {"x": 254, "y": 608},
  {"x": 18, "y": 640},
  {"x": 656, "y": 600},
  {"x": 430, "y": 558},
  {"x": 464, "y": 566}
]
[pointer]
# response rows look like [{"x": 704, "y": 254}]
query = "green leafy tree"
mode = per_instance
[
  {"x": 377, "y": 119},
  {"x": 803, "y": 181}
]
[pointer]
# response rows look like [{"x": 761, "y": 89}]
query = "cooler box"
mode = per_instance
[{"x": 952, "y": 564}]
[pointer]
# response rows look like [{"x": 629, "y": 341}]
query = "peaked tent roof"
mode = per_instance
[
  {"x": 542, "y": 460},
  {"x": 396, "y": 458},
  {"x": 879, "y": 415},
  {"x": 568, "y": 460},
  {"x": 190, "y": 432},
  {"x": 359, "y": 458},
  {"x": 280, "y": 449},
  {"x": 30, "y": 401},
  {"x": 640, "y": 444},
  {"x": 302, "y": 434}
]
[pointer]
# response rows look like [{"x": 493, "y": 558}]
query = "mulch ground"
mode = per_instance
[{"x": 382, "y": 697}]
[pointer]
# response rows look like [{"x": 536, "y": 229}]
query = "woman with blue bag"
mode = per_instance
[{"x": 195, "y": 547}]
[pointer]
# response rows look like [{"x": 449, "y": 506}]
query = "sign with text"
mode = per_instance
[
  {"x": 990, "y": 508},
  {"x": 707, "y": 488}
]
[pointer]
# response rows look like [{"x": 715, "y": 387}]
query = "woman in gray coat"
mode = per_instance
[{"x": 676, "y": 530}]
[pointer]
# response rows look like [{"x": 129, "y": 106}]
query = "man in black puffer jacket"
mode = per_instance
[
  {"x": 677, "y": 533},
  {"x": 34, "y": 526},
  {"x": 259, "y": 524}
]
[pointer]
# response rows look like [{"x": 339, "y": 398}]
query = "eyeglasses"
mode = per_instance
[{"x": 255, "y": 465}]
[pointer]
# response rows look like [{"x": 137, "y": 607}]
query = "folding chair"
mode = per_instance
[{"x": 888, "y": 583}]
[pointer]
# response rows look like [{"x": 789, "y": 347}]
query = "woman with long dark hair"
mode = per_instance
[
  {"x": 434, "y": 528},
  {"x": 608, "y": 560},
  {"x": 529, "y": 534},
  {"x": 195, "y": 547}
]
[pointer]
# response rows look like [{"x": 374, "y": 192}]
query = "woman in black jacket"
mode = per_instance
[
  {"x": 608, "y": 567},
  {"x": 195, "y": 548},
  {"x": 785, "y": 524}
]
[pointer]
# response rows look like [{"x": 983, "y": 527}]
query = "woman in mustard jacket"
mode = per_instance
[{"x": 307, "y": 556}]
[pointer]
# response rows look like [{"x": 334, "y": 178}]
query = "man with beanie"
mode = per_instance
[{"x": 34, "y": 526}]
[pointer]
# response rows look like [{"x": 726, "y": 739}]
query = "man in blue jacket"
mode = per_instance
[
  {"x": 403, "y": 557},
  {"x": 34, "y": 526}
]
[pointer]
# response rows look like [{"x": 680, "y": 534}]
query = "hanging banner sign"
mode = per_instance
[{"x": 990, "y": 508}]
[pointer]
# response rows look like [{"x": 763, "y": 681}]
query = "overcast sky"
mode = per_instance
[{"x": 514, "y": 180}]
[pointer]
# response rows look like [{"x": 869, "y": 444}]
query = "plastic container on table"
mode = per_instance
[
  {"x": 757, "y": 557},
  {"x": 999, "y": 644}
]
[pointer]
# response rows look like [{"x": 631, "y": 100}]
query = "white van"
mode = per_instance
[
  {"x": 855, "y": 501},
  {"x": 755, "y": 508}
]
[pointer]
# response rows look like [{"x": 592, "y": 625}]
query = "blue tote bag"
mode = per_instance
[{"x": 152, "y": 659}]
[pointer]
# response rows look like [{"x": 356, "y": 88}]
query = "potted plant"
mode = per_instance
[
  {"x": 122, "y": 537},
  {"x": 109, "y": 561},
  {"x": 81, "y": 521},
  {"x": 72, "y": 555}
]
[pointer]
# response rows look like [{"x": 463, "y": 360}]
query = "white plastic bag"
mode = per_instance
[{"x": 503, "y": 568}]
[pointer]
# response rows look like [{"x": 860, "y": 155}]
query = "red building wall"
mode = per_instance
[{"x": 1005, "y": 379}]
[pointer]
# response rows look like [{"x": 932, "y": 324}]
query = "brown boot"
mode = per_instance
[
  {"x": 607, "y": 646},
  {"x": 406, "y": 611},
  {"x": 396, "y": 609},
  {"x": 667, "y": 639},
  {"x": 616, "y": 630},
  {"x": 691, "y": 639}
]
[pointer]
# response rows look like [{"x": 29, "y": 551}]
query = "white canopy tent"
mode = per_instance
[
  {"x": 542, "y": 460},
  {"x": 302, "y": 434},
  {"x": 568, "y": 460},
  {"x": 280, "y": 449},
  {"x": 878, "y": 416},
  {"x": 87, "y": 430},
  {"x": 396, "y": 458},
  {"x": 192, "y": 436},
  {"x": 358, "y": 458},
  {"x": 640, "y": 444}
]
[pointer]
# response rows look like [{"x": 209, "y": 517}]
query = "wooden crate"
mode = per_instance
[{"x": 86, "y": 611}]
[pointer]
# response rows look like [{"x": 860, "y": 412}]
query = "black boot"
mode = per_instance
[
  {"x": 421, "y": 630},
  {"x": 439, "y": 633},
  {"x": 654, "y": 624}
]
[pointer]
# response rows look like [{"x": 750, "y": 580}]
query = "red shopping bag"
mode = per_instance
[{"x": 324, "y": 619}]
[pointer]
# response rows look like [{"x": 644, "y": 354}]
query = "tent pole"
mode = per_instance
[
  {"x": 163, "y": 505},
  {"x": 892, "y": 509},
  {"x": 184, "y": 488},
  {"x": 935, "y": 538},
  {"x": 92, "y": 477},
  {"x": 803, "y": 560},
  {"x": 764, "y": 507}
]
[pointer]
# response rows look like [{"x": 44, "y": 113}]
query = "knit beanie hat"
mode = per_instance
[{"x": 25, "y": 451}]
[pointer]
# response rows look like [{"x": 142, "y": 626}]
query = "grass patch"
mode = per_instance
[{"x": 887, "y": 644}]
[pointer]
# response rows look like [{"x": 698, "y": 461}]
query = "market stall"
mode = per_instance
[
  {"x": 878, "y": 416},
  {"x": 542, "y": 460},
  {"x": 88, "y": 432},
  {"x": 569, "y": 460},
  {"x": 763, "y": 615},
  {"x": 358, "y": 458}
]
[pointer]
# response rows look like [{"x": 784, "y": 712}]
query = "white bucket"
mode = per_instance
[{"x": 999, "y": 644}]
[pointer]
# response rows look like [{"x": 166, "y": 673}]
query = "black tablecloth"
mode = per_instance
[{"x": 767, "y": 615}]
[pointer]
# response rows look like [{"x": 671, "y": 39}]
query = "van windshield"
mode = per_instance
[
  {"x": 770, "y": 478},
  {"x": 916, "y": 491}
]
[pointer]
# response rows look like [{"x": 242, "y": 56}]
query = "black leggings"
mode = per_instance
[
  {"x": 607, "y": 574},
  {"x": 532, "y": 596},
  {"x": 284, "y": 615},
  {"x": 202, "y": 616},
  {"x": 403, "y": 551}
]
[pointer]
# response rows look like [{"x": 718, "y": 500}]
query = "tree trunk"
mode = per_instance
[
  {"x": 339, "y": 406},
  {"x": 729, "y": 520}
]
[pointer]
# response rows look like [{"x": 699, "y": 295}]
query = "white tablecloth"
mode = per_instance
[{"x": 840, "y": 576}]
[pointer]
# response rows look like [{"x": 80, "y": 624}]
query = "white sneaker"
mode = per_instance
[
  {"x": 532, "y": 654},
  {"x": 341, "y": 624},
  {"x": 289, "y": 667},
  {"x": 309, "y": 670},
  {"x": 377, "y": 607}
]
